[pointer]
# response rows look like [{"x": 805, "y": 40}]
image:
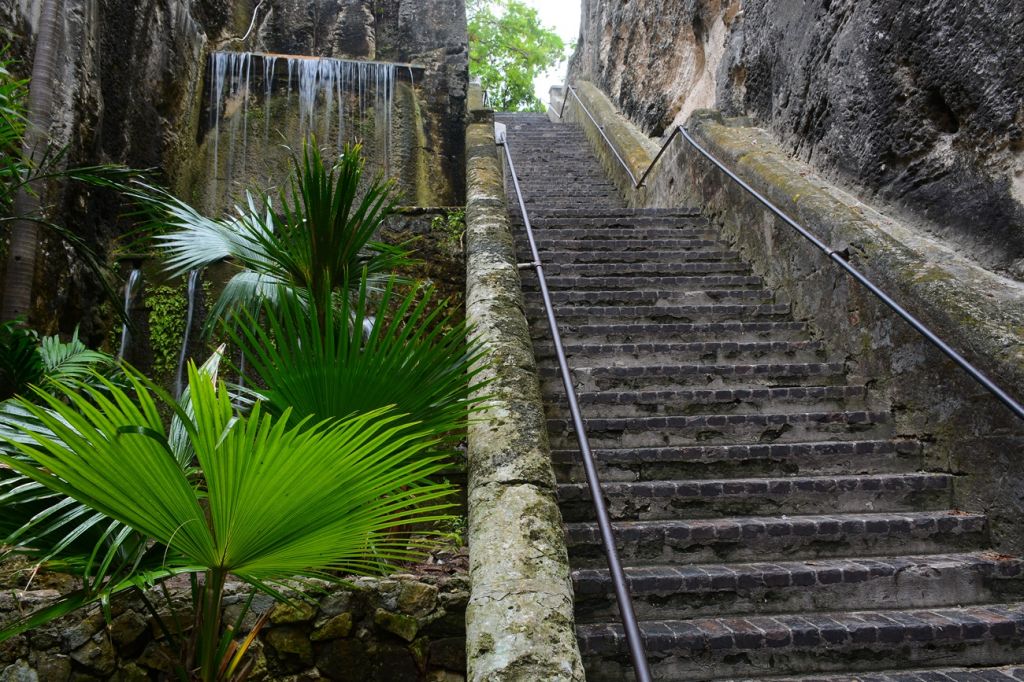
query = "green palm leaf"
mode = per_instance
[
  {"x": 283, "y": 500},
  {"x": 317, "y": 238},
  {"x": 417, "y": 357}
]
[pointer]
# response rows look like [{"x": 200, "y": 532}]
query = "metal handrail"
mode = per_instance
[
  {"x": 629, "y": 622},
  {"x": 834, "y": 255}
]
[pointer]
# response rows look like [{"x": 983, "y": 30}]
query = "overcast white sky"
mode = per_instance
[{"x": 564, "y": 17}]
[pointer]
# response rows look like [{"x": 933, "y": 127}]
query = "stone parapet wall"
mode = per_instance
[
  {"x": 962, "y": 428},
  {"x": 399, "y": 629},
  {"x": 519, "y": 622}
]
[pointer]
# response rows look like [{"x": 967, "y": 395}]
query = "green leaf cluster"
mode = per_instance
[{"x": 508, "y": 49}]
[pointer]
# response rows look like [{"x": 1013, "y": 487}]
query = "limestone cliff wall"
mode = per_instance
[
  {"x": 918, "y": 105},
  {"x": 130, "y": 90}
]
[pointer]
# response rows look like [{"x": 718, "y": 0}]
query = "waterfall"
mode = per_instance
[
  {"x": 129, "y": 297},
  {"x": 340, "y": 101},
  {"x": 193, "y": 280}
]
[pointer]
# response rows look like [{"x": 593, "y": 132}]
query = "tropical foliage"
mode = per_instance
[
  {"x": 24, "y": 168},
  {"x": 318, "y": 239},
  {"x": 317, "y": 362},
  {"x": 271, "y": 498},
  {"x": 508, "y": 49}
]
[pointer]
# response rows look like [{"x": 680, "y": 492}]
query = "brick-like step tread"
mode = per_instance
[
  {"x": 652, "y": 297},
  {"x": 679, "y": 592},
  {"x": 696, "y": 282},
  {"x": 647, "y": 431},
  {"x": 627, "y": 332},
  {"x": 709, "y": 350},
  {"x": 703, "y": 400},
  {"x": 713, "y": 648},
  {"x": 647, "y": 268},
  {"x": 754, "y": 537},
  {"x": 661, "y": 376},
  {"x": 663, "y": 313},
  {"x": 835, "y": 457},
  {"x": 710, "y": 498}
]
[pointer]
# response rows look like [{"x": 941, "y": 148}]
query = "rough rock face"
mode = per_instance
[
  {"x": 130, "y": 90},
  {"x": 920, "y": 104},
  {"x": 128, "y": 82}
]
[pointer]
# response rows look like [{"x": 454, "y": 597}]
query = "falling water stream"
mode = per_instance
[
  {"x": 193, "y": 280},
  {"x": 129, "y": 298},
  {"x": 339, "y": 101}
]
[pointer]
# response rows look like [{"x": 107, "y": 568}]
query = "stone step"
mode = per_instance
[
  {"x": 647, "y": 269},
  {"x": 761, "y": 459},
  {"x": 619, "y": 213},
  {"x": 668, "y": 376},
  {"x": 671, "y": 402},
  {"x": 715, "y": 352},
  {"x": 652, "y": 297},
  {"x": 717, "y": 648},
  {"x": 724, "y": 429},
  {"x": 595, "y": 235},
  {"x": 563, "y": 258},
  {"x": 615, "y": 314},
  {"x": 795, "y": 537},
  {"x": 709, "y": 498},
  {"x": 627, "y": 332},
  {"x": 698, "y": 283},
  {"x": 680, "y": 592},
  {"x": 562, "y": 246}
]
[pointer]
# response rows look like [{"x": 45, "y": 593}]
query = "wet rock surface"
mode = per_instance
[{"x": 919, "y": 105}]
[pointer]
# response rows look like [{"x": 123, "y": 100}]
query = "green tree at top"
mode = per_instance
[{"x": 508, "y": 49}]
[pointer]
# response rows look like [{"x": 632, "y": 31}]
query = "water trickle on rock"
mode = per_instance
[
  {"x": 129, "y": 299},
  {"x": 340, "y": 101}
]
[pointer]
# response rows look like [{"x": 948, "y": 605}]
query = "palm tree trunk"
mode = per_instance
[{"x": 21, "y": 259}]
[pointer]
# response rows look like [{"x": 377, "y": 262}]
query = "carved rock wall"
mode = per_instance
[
  {"x": 130, "y": 90},
  {"x": 918, "y": 105}
]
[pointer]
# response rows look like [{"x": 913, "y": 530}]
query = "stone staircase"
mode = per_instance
[{"x": 771, "y": 524}]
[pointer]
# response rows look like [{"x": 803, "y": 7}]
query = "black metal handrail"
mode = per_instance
[
  {"x": 834, "y": 255},
  {"x": 622, "y": 596}
]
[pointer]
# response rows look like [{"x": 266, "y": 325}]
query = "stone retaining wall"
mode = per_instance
[
  {"x": 519, "y": 623},
  {"x": 398, "y": 629},
  {"x": 963, "y": 429}
]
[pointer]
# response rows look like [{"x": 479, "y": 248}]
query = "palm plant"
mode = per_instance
[
  {"x": 270, "y": 499},
  {"x": 25, "y": 359},
  {"x": 318, "y": 240},
  {"x": 317, "y": 362}
]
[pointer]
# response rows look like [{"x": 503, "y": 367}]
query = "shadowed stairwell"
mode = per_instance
[{"x": 770, "y": 524}]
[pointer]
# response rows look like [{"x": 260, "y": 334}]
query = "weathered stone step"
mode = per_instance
[
  {"x": 714, "y": 401},
  {"x": 979, "y": 674},
  {"x": 709, "y": 498},
  {"x": 618, "y": 214},
  {"x": 563, "y": 258},
  {"x": 699, "y": 283},
  {"x": 717, "y": 352},
  {"x": 677, "y": 331},
  {"x": 648, "y": 269},
  {"x": 640, "y": 245},
  {"x": 599, "y": 234},
  {"x": 652, "y": 297},
  {"x": 760, "y": 459},
  {"x": 570, "y": 314},
  {"x": 717, "y": 648},
  {"x": 680, "y": 592},
  {"x": 756, "y": 538},
  {"x": 725, "y": 429},
  {"x": 649, "y": 377}
]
